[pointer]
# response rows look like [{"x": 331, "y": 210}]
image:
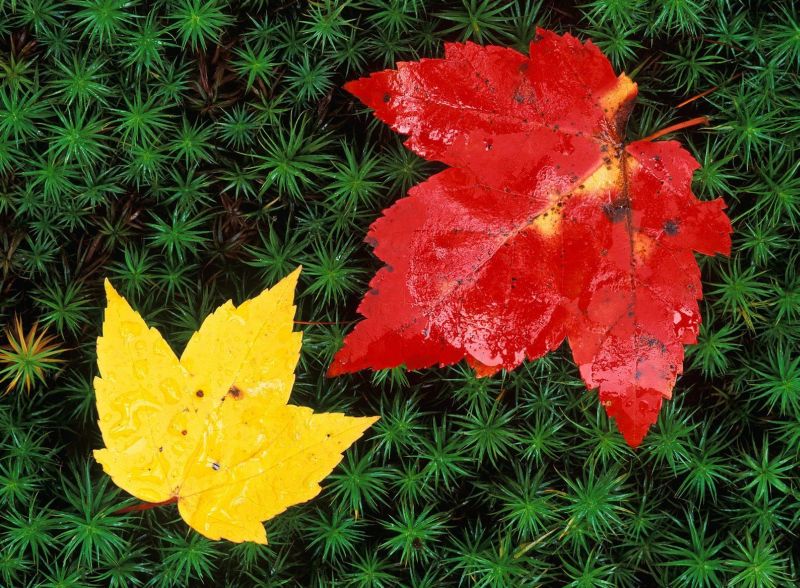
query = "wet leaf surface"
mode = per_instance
[
  {"x": 545, "y": 226},
  {"x": 212, "y": 430}
]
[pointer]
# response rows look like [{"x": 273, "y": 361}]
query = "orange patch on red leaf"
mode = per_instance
[{"x": 545, "y": 226}]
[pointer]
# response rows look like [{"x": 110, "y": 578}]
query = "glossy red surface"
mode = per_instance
[{"x": 544, "y": 227}]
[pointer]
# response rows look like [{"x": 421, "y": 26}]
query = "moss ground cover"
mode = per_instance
[{"x": 198, "y": 150}]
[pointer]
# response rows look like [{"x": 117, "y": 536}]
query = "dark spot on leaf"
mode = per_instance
[
  {"x": 160, "y": 449},
  {"x": 518, "y": 98},
  {"x": 199, "y": 394},
  {"x": 184, "y": 432},
  {"x": 648, "y": 340},
  {"x": 671, "y": 227},
  {"x": 386, "y": 97},
  {"x": 523, "y": 67},
  {"x": 617, "y": 210},
  {"x": 215, "y": 466},
  {"x": 234, "y": 392}
]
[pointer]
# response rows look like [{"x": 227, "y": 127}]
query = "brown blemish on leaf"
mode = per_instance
[
  {"x": 671, "y": 227},
  {"x": 617, "y": 210},
  {"x": 650, "y": 341}
]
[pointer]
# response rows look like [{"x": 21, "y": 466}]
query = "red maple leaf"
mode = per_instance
[{"x": 545, "y": 226}]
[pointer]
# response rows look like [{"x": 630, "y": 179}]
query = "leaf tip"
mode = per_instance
[
  {"x": 634, "y": 438},
  {"x": 335, "y": 369},
  {"x": 111, "y": 292}
]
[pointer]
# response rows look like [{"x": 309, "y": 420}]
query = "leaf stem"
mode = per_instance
[
  {"x": 145, "y": 506},
  {"x": 700, "y": 120}
]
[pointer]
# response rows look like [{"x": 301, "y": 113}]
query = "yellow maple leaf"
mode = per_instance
[{"x": 213, "y": 430}]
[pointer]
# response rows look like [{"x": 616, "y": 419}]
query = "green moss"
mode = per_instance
[{"x": 198, "y": 150}]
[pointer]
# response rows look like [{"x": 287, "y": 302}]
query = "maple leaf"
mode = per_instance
[
  {"x": 545, "y": 226},
  {"x": 213, "y": 430}
]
